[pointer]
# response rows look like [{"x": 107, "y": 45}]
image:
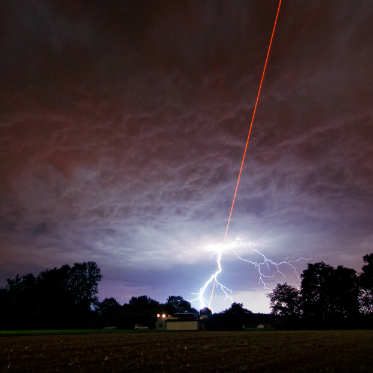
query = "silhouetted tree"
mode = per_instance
[
  {"x": 233, "y": 318},
  {"x": 236, "y": 310},
  {"x": 59, "y": 297},
  {"x": 315, "y": 290},
  {"x": 366, "y": 277},
  {"x": 366, "y": 286},
  {"x": 5, "y": 316},
  {"x": 329, "y": 294},
  {"x": 83, "y": 282},
  {"x": 55, "y": 305},
  {"x": 177, "y": 304},
  {"x": 144, "y": 304},
  {"x": 195, "y": 311},
  {"x": 285, "y": 300},
  {"x": 108, "y": 307},
  {"x": 344, "y": 293}
]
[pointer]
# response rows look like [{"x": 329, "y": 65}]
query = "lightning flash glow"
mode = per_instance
[{"x": 264, "y": 267}]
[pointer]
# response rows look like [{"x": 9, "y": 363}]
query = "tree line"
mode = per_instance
[
  {"x": 327, "y": 298},
  {"x": 65, "y": 297}
]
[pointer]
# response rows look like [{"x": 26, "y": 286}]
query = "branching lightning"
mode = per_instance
[
  {"x": 263, "y": 267},
  {"x": 267, "y": 263}
]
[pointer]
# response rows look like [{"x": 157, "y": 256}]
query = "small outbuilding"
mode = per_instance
[{"x": 178, "y": 321}]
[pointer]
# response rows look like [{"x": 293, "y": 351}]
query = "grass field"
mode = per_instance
[{"x": 287, "y": 351}]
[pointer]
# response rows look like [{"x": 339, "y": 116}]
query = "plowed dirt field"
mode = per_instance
[{"x": 298, "y": 351}]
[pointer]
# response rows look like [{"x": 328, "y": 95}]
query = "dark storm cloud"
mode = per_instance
[{"x": 123, "y": 126}]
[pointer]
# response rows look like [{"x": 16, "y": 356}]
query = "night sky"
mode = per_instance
[{"x": 123, "y": 126}]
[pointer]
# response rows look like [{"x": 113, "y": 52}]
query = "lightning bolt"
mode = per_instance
[
  {"x": 201, "y": 294},
  {"x": 263, "y": 267}
]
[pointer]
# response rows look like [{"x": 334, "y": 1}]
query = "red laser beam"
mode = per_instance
[{"x": 244, "y": 154}]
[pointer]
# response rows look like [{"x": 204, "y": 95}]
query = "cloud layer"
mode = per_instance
[{"x": 123, "y": 127}]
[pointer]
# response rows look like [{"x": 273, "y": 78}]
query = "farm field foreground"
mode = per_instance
[{"x": 282, "y": 351}]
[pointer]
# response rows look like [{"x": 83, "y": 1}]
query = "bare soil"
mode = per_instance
[{"x": 288, "y": 351}]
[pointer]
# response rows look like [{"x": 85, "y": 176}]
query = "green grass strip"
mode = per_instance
[{"x": 9, "y": 333}]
